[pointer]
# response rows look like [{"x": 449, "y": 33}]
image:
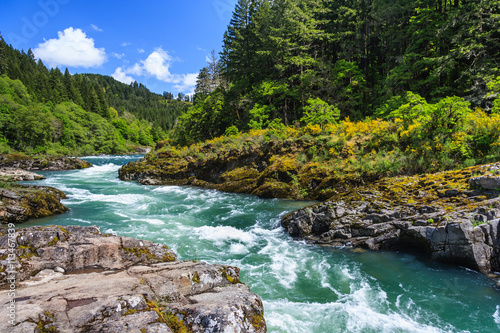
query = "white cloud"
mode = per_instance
[
  {"x": 95, "y": 27},
  {"x": 72, "y": 48},
  {"x": 188, "y": 81},
  {"x": 126, "y": 44},
  {"x": 157, "y": 64},
  {"x": 117, "y": 55},
  {"x": 121, "y": 76},
  {"x": 140, "y": 50},
  {"x": 136, "y": 69}
]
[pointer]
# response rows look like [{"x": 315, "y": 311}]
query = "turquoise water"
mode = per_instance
[{"x": 304, "y": 288}]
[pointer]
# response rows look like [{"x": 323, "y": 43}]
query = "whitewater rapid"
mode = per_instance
[{"x": 304, "y": 288}]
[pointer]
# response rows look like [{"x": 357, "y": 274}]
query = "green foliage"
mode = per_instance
[
  {"x": 318, "y": 112},
  {"x": 362, "y": 57},
  {"x": 232, "y": 131},
  {"x": 44, "y": 111}
]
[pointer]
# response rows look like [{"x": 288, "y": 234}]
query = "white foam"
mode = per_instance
[
  {"x": 283, "y": 262},
  {"x": 221, "y": 234},
  {"x": 496, "y": 316},
  {"x": 86, "y": 196},
  {"x": 81, "y": 220},
  {"x": 238, "y": 248},
  {"x": 341, "y": 316},
  {"x": 98, "y": 169},
  {"x": 170, "y": 189},
  {"x": 154, "y": 221}
]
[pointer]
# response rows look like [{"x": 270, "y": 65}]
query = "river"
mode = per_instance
[{"x": 304, "y": 288}]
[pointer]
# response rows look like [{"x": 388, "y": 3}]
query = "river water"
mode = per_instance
[{"x": 304, "y": 288}]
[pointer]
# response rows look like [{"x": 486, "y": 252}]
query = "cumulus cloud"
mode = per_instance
[
  {"x": 126, "y": 44},
  {"x": 95, "y": 27},
  {"x": 121, "y": 76},
  {"x": 157, "y": 64},
  {"x": 140, "y": 50},
  {"x": 72, "y": 48}
]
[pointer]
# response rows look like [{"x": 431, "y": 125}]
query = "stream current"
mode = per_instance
[{"x": 304, "y": 288}]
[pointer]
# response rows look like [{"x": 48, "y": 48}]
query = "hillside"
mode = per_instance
[{"x": 45, "y": 111}]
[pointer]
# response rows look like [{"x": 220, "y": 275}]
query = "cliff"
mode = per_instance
[{"x": 76, "y": 279}]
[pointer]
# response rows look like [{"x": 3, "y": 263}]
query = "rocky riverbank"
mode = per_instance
[
  {"x": 19, "y": 203},
  {"x": 46, "y": 163},
  {"x": 75, "y": 279},
  {"x": 266, "y": 169},
  {"x": 453, "y": 216}
]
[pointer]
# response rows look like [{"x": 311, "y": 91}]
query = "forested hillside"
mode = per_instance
[
  {"x": 356, "y": 59},
  {"x": 161, "y": 111},
  {"x": 46, "y": 111}
]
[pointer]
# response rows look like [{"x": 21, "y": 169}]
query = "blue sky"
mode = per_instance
[{"x": 160, "y": 43}]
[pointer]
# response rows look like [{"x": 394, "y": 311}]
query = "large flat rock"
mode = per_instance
[{"x": 76, "y": 279}]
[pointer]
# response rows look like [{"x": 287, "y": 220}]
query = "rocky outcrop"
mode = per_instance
[
  {"x": 18, "y": 203},
  {"x": 13, "y": 174},
  {"x": 76, "y": 279},
  {"x": 47, "y": 163},
  {"x": 438, "y": 214},
  {"x": 268, "y": 170}
]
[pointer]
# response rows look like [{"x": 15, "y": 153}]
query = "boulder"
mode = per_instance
[
  {"x": 73, "y": 279},
  {"x": 13, "y": 174},
  {"x": 485, "y": 182},
  {"x": 18, "y": 203},
  {"x": 446, "y": 236}
]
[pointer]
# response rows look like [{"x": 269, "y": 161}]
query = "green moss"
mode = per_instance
[
  {"x": 144, "y": 251},
  {"x": 240, "y": 174},
  {"x": 45, "y": 323},
  {"x": 195, "y": 278},
  {"x": 258, "y": 322},
  {"x": 174, "y": 323},
  {"x": 227, "y": 274},
  {"x": 130, "y": 311},
  {"x": 164, "y": 316},
  {"x": 54, "y": 241},
  {"x": 27, "y": 252}
]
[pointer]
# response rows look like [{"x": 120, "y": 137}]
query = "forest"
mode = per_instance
[
  {"x": 45, "y": 111},
  {"x": 352, "y": 59}
]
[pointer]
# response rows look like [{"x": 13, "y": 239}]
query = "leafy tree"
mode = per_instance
[{"x": 318, "y": 112}]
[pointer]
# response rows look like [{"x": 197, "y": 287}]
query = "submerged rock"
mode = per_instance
[{"x": 76, "y": 279}]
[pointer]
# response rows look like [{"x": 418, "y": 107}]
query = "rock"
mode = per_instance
[
  {"x": 48, "y": 163},
  {"x": 12, "y": 174},
  {"x": 142, "y": 150},
  {"x": 485, "y": 182},
  {"x": 89, "y": 281},
  {"x": 20, "y": 202},
  {"x": 453, "y": 240}
]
